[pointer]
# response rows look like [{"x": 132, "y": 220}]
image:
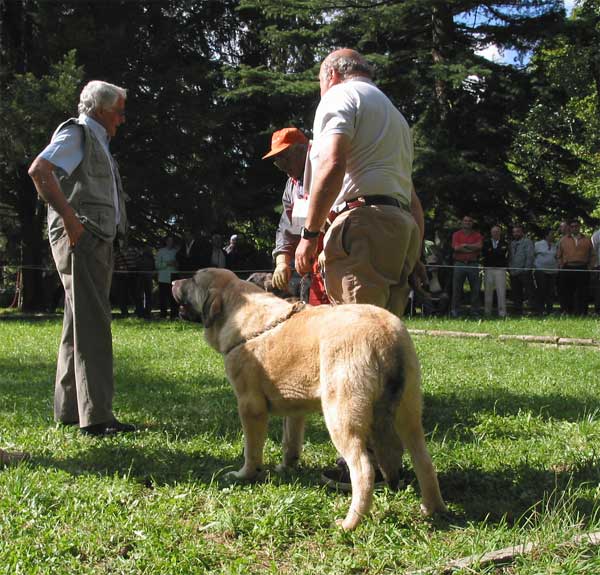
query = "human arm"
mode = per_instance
[
  {"x": 46, "y": 184},
  {"x": 591, "y": 256},
  {"x": 559, "y": 254},
  {"x": 326, "y": 185},
  {"x": 416, "y": 209},
  {"x": 530, "y": 254},
  {"x": 159, "y": 261},
  {"x": 286, "y": 238},
  {"x": 470, "y": 247}
]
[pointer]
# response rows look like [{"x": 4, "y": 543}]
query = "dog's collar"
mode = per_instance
[{"x": 297, "y": 307}]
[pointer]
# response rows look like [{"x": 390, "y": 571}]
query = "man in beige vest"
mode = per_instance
[{"x": 79, "y": 179}]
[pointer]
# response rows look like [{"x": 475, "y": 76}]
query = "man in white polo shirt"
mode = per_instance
[
  {"x": 361, "y": 160},
  {"x": 361, "y": 182},
  {"x": 79, "y": 179}
]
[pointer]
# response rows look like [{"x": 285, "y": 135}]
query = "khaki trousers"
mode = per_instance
[
  {"x": 495, "y": 279},
  {"x": 368, "y": 255},
  {"x": 84, "y": 373}
]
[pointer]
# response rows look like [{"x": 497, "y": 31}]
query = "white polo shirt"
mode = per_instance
[{"x": 380, "y": 158}]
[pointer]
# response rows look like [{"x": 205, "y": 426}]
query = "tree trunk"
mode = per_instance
[
  {"x": 31, "y": 216},
  {"x": 442, "y": 34}
]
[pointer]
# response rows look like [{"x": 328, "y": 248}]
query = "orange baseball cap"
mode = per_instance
[{"x": 283, "y": 139}]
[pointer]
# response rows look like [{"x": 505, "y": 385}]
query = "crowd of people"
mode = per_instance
[
  {"x": 558, "y": 273},
  {"x": 136, "y": 269}
]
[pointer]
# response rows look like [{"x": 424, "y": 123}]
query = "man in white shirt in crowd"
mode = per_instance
[{"x": 545, "y": 273}]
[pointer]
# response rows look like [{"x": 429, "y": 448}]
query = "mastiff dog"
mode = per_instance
[{"x": 354, "y": 362}]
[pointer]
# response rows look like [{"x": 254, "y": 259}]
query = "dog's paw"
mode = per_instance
[
  {"x": 429, "y": 510},
  {"x": 348, "y": 524},
  {"x": 286, "y": 467},
  {"x": 243, "y": 476}
]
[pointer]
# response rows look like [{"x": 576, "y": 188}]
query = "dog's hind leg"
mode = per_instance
[
  {"x": 410, "y": 428},
  {"x": 254, "y": 417},
  {"x": 349, "y": 430},
  {"x": 293, "y": 439},
  {"x": 386, "y": 443},
  {"x": 388, "y": 450}
]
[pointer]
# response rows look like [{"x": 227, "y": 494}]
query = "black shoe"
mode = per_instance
[
  {"x": 339, "y": 477},
  {"x": 110, "y": 428}
]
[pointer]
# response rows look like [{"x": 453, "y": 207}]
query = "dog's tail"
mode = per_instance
[{"x": 386, "y": 443}]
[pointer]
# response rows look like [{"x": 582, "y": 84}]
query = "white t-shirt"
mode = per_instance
[{"x": 381, "y": 151}]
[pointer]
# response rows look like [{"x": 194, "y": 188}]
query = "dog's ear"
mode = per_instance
[{"x": 212, "y": 307}]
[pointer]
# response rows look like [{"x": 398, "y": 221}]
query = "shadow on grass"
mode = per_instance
[
  {"x": 453, "y": 415},
  {"x": 158, "y": 466},
  {"x": 512, "y": 493}
]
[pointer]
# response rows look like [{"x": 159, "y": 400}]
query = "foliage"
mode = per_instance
[
  {"x": 28, "y": 105},
  {"x": 209, "y": 81},
  {"x": 556, "y": 154},
  {"x": 516, "y": 455}
]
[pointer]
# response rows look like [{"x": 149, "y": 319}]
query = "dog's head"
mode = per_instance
[{"x": 200, "y": 297}]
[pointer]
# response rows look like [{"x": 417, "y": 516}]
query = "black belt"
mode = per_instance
[
  {"x": 374, "y": 200},
  {"x": 378, "y": 201}
]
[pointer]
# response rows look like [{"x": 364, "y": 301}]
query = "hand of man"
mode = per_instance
[
  {"x": 282, "y": 273},
  {"x": 305, "y": 254},
  {"x": 420, "y": 273},
  {"x": 74, "y": 229}
]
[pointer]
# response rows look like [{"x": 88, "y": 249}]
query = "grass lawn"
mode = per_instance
[{"x": 514, "y": 430}]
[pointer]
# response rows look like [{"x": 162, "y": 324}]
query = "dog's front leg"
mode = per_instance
[
  {"x": 254, "y": 417},
  {"x": 293, "y": 438}
]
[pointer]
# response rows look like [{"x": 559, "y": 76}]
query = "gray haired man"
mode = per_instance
[{"x": 79, "y": 179}]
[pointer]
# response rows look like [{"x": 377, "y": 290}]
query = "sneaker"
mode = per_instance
[
  {"x": 339, "y": 477},
  {"x": 110, "y": 428}
]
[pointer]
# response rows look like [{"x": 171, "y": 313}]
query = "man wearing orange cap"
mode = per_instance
[{"x": 289, "y": 148}]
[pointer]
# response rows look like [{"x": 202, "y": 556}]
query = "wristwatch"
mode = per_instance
[{"x": 307, "y": 234}]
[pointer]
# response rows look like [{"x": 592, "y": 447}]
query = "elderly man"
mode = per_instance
[
  {"x": 79, "y": 179},
  {"x": 289, "y": 148},
  {"x": 361, "y": 160},
  {"x": 495, "y": 259}
]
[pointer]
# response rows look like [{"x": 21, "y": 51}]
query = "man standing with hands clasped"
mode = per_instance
[
  {"x": 361, "y": 185},
  {"x": 79, "y": 179},
  {"x": 466, "y": 247}
]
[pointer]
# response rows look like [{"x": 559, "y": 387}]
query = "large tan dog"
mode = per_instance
[{"x": 355, "y": 362}]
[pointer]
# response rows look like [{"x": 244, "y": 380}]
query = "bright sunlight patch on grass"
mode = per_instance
[{"x": 513, "y": 429}]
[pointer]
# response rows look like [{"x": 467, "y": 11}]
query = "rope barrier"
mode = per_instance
[
  {"x": 18, "y": 268},
  {"x": 42, "y": 268}
]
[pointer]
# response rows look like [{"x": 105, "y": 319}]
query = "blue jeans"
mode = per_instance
[{"x": 470, "y": 272}]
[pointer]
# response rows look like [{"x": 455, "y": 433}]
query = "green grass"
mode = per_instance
[
  {"x": 514, "y": 430},
  {"x": 560, "y": 326}
]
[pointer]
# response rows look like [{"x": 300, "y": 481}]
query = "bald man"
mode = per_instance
[
  {"x": 361, "y": 181},
  {"x": 361, "y": 193}
]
